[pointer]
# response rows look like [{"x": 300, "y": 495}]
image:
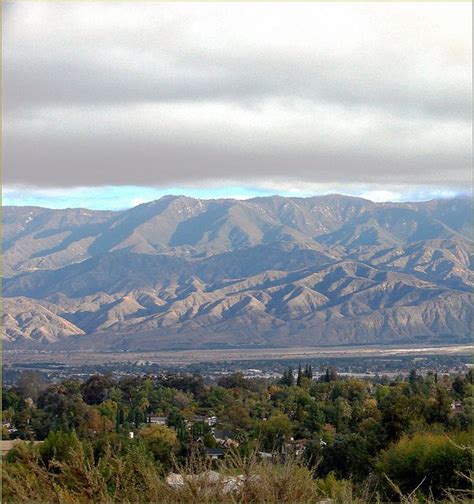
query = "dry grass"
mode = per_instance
[{"x": 134, "y": 478}]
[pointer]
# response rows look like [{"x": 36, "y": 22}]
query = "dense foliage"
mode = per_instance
[{"x": 344, "y": 438}]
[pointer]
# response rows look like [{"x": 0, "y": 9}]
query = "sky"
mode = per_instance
[{"x": 108, "y": 105}]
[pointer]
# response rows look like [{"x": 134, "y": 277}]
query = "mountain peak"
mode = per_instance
[{"x": 271, "y": 270}]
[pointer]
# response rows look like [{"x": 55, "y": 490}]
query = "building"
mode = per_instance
[
  {"x": 267, "y": 455},
  {"x": 157, "y": 420},
  {"x": 296, "y": 447},
  {"x": 209, "y": 420},
  {"x": 225, "y": 438},
  {"x": 221, "y": 436},
  {"x": 457, "y": 407},
  {"x": 214, "y": 453}
]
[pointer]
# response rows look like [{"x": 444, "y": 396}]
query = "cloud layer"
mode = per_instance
[{"x": 162, "y": 94}]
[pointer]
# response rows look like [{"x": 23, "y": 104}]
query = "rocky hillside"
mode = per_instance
[{"x": 182, "y": 272}]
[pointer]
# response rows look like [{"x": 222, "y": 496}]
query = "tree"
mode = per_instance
[
  {"x": 288, "y": 377},
  {"x": 276, "y": 430},
  {"x": 470, "y": 376},
  {"x": 299, "y": 376},
  {"x": 95, "y": 424},
  {"x": 381, "y": 392},
  {"x": 314, "y": 419},
  {"x": 176, "y": 420},
  {"x": 12, "y": 399},
  {"x": 413, "y": 378},
  {"x": 63, "y": 406},
  {"x": 330, "y": 375},
  {"x": 459, "y": 387},
  {"x": 161, "y": 441},
  {"x": 343, "y": 413},
  {"x": 284, "y": 378},
  {"x": 120, "y": 418},
  {"x": 347, "y": 456},
  {"x": 237, "y": 416},
  {"x": 108, "y": 409},
  {"x": 439, "y": 406},
  {"x": 197, "y": 430},
  {"x": 233, "y": 380},
  {"x": 115, "y": 394},
  {"x": 217, "y": 398},
  {"x": 95, "y": 389}
]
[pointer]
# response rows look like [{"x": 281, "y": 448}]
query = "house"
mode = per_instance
[
  {"x": 214, "y": 453},
  {"x": 222, "y": 435},
  {"x": 295, "y": 447},
  {"x": 457, "y": 407},
  {"x": 225, "y": 438},
  {"x": 157, "y": 420},
  {"x": 9, "y": 428},
  {"x": 266, "y": 455},
  {"x": 209, "y": 420}
]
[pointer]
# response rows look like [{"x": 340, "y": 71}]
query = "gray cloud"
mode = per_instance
[
  {"x": 88, "y": 82},
  {"x": 158, "y": 93},
  {"x": 78, "y": 161}
]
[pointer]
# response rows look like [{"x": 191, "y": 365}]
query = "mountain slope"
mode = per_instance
[{"x": 182, "y": 272}]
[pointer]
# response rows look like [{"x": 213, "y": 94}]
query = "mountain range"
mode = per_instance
[{"x": 271, "y": 271}]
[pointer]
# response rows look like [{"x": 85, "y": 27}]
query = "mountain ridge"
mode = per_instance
[{"x": 269, "y": 270}]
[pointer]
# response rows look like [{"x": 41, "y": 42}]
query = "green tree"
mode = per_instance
[
  {"x": 439, "y": 406},
  {"x": 397, "y": 411},
  {"x": 161, "y": 441},
  {"x": 314, "y": 419},
  {"x": 330, "y": 375},
  {"x": 459, "y": 387},
  {"x": 347, "y": 456},
  {"x": 288, "y": 377},
  {"x": 96, "y": 389},
  {"x": 299, "y": 376},
  {"x": 276, "y": 430}
]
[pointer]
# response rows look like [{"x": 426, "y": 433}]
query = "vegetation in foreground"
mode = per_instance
[{"x": 155, "y": 438}]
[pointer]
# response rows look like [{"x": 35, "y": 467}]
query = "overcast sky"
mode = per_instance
[{"x": 235, "y": 99}]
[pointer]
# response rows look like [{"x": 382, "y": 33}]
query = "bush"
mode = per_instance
[
  {"x": 58, "y": 446},
  {"x": 339, "y": 490},
  {"x": 434, "y": 460}
]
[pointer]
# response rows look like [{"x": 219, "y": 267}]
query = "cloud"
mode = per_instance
[{"x": 160, "y": 94}]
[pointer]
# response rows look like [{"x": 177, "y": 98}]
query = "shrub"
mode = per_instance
[
  {"x": 58, "y": 446},
  {"x": 434, "y": 460}
]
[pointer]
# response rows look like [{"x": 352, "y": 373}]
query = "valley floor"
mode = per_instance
[{"x": 186, "y": 357}]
